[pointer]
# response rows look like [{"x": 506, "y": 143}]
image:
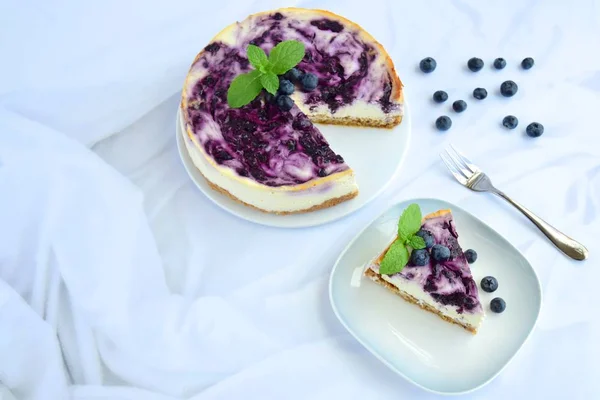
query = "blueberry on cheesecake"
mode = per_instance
[
  {"x": 435, "y": 276},
  {"x": 253, "y": 94}
]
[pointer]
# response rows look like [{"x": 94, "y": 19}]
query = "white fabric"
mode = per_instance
[{"x": 120, "y": 280}]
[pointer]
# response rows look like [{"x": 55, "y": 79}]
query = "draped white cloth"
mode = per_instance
[{"x": 120, "y": 280}]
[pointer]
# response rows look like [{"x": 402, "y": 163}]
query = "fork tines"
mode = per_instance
[{"x": 460, "y": 166}]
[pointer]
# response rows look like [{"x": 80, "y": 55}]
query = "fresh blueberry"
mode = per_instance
[
  {"x": 508, "y": 88},
  {"x": 322, "y": 172},
  {"x": 489, "y": 284},
  {"x": 286, "y": 87},
  {"x": 285, "y": 103},
  {"x": 309, "y": 82},
  {"x": 293, "y": 75},
  {"x": 535, "y": 129},
  {"x": 440, "y": 96},
  {"x": 480, "y": 93},
  {"x": 498, "y": 305},
  {"x": 440, "y": 253},
  {"x": 427, "y": 237},
  {"x": 527, "y": 63},
  {"x": 459, "y": 106},
  {"x": 471, "y": 256},
  {"x": 427, "y": 65},
  {"x": 443, "y": 123},
  {"x": 499, "y": 63},
  {"x": 475, "y": 64},
  {"x": 269, "y": 98},
  {"x": 510, "y": 122},
  {"x": 419, "y": 257}
]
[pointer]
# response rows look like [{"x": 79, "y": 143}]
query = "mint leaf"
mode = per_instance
[
  {"x": 395, "y": 259},
  {"x": 257, "y": 58},
  {"x": 410, "y": 222},
  {"x": 244, "y": 89},
  {"x": 270, "y": 81},
  {"x": 285, "y": 56},
  {"x": 416, "y": 242}
]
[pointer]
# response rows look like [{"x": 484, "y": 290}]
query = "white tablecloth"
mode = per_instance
[{"x": 120, "y": 280}]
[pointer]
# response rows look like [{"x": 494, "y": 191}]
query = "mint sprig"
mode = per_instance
[
  {"x": 283, "y": 57},
  {"x": 257, "y": 57},
  {"x": 398, "y": 254},
  {"x": 244, "y": 88}
]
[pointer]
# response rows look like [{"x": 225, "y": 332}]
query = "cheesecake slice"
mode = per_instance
[
  {"x": 443, "y": 288},
  {"x": 278, "y": 161}
]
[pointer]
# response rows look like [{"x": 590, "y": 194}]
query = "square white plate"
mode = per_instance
[{"x": 418, "y": 345}]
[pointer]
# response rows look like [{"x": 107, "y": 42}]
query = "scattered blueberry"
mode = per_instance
[
  {"x": 489, "y": 284},
  {"x": 286, "y": 87},
  {"x": 471, "y": 256},
  {"x": 419, "y": 257},
  {"x": 527, "y": 63},
  {"x": 440, "y": 253},
  {"x": 309, "y": 82},
  {"x": 475, "y": 64},
  {"x": 427, "y": 237},
  {"x": 508, "y": 88},
  {"x": 322, "y": 173},
  {"x": 497, "y": 305},
  {"x": 293, "y": 75},
  {"x": 443, "y": 123},
  {"x": 510, "y": 122},
  {"x": 285, "y": 103},
  {"x": 499, "y": 63},
  {"x": 427, "y": 65},
  {"x": 440, "y": 96},
  {"x": 459, "y": 106},
  {"x": 535, "y": 129},
  {"x": 480, "y": 93}
]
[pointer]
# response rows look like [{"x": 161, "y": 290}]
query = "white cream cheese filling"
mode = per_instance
[{"x": 416, "y": 290}]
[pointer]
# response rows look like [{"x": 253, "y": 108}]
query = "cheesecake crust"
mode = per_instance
[
  {"x": 375, "y": 277},
  {"x": 356, "y": 121},
  {"x": 329, "y": 203}
]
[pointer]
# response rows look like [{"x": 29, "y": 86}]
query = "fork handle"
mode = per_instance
[{"x": 570, "y": 247}]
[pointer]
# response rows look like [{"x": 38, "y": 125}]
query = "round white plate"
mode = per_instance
[
  {"x": 418, "y": 345},
  {"x": 375, "y": 155}
]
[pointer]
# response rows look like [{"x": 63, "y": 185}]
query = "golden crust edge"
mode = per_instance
[
  {"x": 438, "y": 213},
  {"x": 375, "y": 277}
]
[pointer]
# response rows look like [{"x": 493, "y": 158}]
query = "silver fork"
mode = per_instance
[{"x": 473, "y": 178}]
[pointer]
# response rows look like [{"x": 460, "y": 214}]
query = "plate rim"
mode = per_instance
[
  {"x": 407, "y": 119},
  {"x": 383, "y": 359}
]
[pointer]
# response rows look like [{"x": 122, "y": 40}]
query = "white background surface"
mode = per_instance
[{"x": 120, "y": 280}]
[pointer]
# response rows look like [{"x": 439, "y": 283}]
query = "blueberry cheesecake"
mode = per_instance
[
  {"x": 249, "y": 118},
  {"x": 426, "y": 266}
]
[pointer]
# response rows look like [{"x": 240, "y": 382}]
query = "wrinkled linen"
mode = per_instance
[{"x": 120, "y": 280}]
